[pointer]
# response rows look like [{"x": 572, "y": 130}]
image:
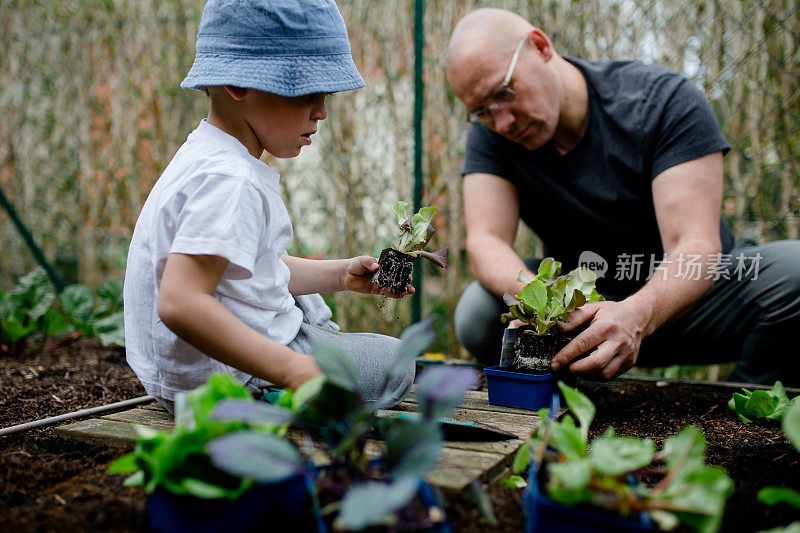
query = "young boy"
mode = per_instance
[{"x": 208, "y": 285}]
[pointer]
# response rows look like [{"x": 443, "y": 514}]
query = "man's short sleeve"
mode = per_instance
[
  {"x": 681, "y": 125},
  {"x": 223, "y": 216},
  {"x": 482, "y": 154}
]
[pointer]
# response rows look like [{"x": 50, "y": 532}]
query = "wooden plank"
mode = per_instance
[
  {"x": 99, "y": 431},
  {"x": 156, "y": 419},
  {"x": 478, "y": 400},
  {"x": 456, "y": 469}
]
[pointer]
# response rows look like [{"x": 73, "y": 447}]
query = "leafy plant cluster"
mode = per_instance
[
  {"x": 790, "y": 424},
  {"x": 224, "y": 442},
  {"x": 764, "y": 404},
  {"x": 608, "y": 474},
  {"x": 416, "y": 231},
  {"x": 33, "y": 306},
  {"x": 551, "y": 297}
]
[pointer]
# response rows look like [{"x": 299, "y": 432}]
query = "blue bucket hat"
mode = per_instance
[{"x": 285, "y": 47}]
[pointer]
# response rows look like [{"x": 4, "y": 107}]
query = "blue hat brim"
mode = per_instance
[{"x": 284, "y": 75}]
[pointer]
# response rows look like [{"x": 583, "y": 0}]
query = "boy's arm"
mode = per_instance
[
  {"x": 331, "y": 275},
  {"x": 187, "y": 306}
]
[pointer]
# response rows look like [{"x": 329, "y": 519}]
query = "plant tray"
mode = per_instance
[{"x": 518, "y": 389}]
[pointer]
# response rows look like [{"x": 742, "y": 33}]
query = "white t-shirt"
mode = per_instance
[{"x": 214, "y": 198}]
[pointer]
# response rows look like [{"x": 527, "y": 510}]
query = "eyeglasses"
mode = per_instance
[{"x": 501, "y": 98}]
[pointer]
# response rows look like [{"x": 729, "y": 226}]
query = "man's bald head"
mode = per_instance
[{"x": 480, "y": 40}]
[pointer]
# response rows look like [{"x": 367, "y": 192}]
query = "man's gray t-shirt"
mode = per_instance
[{"x": 643, "y": 119}]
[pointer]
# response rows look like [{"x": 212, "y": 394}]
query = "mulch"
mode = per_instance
[{"x": 53, "y": 484}]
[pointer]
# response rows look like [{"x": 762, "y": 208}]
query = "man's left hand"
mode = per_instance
[{"x": 611, "y": 341}]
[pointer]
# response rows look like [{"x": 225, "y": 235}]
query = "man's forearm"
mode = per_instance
[
  {"x": 670, "y": 292},
  {"x": 496, "y": 265}
]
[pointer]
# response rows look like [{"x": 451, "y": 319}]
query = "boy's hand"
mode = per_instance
[{"x": 358, "y": 277}]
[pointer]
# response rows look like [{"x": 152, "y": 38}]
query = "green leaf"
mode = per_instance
[
  {"x": 617, "y": 455},
  {"x": 737, "y": 405},
  {"x": 534, "y": 295},
  {"x": 111, "y": 330},
  {"x": 34, "y": 294},
  {"x": 516, "y": 482},
  {"x": 109, "y": 297},
  {"x": 567, "y": 438},
  {"x": 77, "y": 302},
  {"x": 419, "y": 226},
  {"x": 124, "y": 465},
  {"x": 791, "y": 423},
  {"x": 338, "y": 367},
  {"x": 368, "y": 503},
  {"x": 13, "y": 328},
  {"x": 54, "y": 323},
  {"x": 549, "y": 268},
  {"x": 203, "y": 399},
  {"x": 761, "y": 404},
  {"x": 522, "y": 459},
  {"x": 794, "y": 527},
  {"x": 400, "y": 211},
  {"x": 572, "y": 475},
  {"x": 698, "y": 497},
  {"x": 776, "y": 495},
  {"x": 581, "y": 406},
  {"x": 306, "y": 392},
  {"x": 255, "y": 455}
]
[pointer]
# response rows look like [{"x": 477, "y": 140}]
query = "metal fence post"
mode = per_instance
[{"x": 419, "y": 91}]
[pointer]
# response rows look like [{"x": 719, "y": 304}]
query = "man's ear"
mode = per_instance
[
  {"x": 237, "y": 93},
  {"x": 542, "y": 42}
]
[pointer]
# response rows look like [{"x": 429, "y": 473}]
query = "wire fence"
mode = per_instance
[{"x": 92, "y": 113}]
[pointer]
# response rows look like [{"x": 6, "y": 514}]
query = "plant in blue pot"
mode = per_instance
[
  {"x": 615, "y": 483},
  {"x": 524, "y": 377},
  {"x": 354, "y": 467}
]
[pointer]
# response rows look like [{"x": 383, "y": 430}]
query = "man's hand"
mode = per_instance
[
  {"x": 611, "y": 340},
  {"x": 357, "y": 277}
]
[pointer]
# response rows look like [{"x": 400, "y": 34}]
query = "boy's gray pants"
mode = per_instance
[
  {"x": 754, "y": 321},
  {"x": 371, "y": 352}
]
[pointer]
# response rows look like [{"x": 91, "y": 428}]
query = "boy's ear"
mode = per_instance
[{"x": 237, "y": 93}]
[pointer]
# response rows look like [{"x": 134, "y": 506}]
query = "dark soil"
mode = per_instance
[
  {"x": 52, "y": 484},
  {"x": 394, "y": 270},
  {"x": 530, "y": 352}
]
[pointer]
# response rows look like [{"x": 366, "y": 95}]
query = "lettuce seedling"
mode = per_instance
[
  {"x": 415, "y": 232},
  {"x": 609, "y": 472},
  {"x": 551, "y": 297},
  {"x": 765, "y": 404}
]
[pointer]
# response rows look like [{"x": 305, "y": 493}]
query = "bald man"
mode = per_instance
[{"x": 616, "y": 165}]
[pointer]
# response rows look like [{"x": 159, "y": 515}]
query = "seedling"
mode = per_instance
[
  {"x": 226, "y": 444},
  {"x": 609, "y": 473},
  {"x": 542, "y": 304},
  {"x": 396, "y": 262},
  {"x": 785, "y": 495},
  {"x": 764, "y": 404}
]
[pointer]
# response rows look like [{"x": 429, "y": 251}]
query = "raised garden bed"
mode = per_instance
[{"x": 51, "y": 483}]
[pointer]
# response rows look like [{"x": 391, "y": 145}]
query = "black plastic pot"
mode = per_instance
[
  {"x": 394, "y": 271},
  {"x": 525, "y": 351}
]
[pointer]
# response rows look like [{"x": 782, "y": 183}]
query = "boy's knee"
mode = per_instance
[{"x": 400, "y": 384}]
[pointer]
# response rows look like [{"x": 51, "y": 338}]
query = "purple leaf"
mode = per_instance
[
  {"x": 438, "y": 258},
  {"x": 440, "y": 389},
  {"x": 255, "y": 455},
  {"x": 251, "y": 412}
]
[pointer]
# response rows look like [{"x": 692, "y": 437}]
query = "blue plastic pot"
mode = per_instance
[
  {"x": 517, "y": 389},
  {"x": 274, "y": 504},
  {"x": 543, "y": 515}
]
